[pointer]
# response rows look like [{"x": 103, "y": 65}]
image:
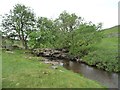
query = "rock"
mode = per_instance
[
  {"x": 46, "y": 53},
  {"x": 61, "y": 64},
  {"x": 55, "y": 63},
  {"x": 51, "y": 62},
  {"x": 46, "y": 49},
  {"x": 47, "y": 62},
  {"x": 65, "y": 51},
  {"x": 54, "y": 67},
  {"x": 63, "y": 55},
  {"x": 15, "y": 47},
  {"x": 77, "y": 60},
  {"x": 57, "y": 55},
  {"x": 59, "y": 49},
  {"x": 56, "y": 52},
  {"x": 9, "y": 52}
]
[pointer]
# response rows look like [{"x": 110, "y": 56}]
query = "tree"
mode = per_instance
[
  {"x": 45, "y": 34},
  {"x": 84, "y": 37},
  {"x": 20, "y": 22},
  {"x": 68, "y": 21}
]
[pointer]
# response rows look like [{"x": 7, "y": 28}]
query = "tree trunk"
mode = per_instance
[{"x": 25, "y": 44}]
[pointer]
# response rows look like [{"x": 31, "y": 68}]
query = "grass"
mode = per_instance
[
  {"x": 112, "y": 30},
  {"x": 22, "y": 70},
  {"x": 0, "y": 68},
  {"x": 106, "y": 53}
]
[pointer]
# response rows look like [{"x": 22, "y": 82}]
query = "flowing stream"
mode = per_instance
[{"x": 103, "y": 77}]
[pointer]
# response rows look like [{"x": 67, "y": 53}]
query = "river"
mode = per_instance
[
  {"x": 103, "y": 77},
  {"x": 108, "y": 79}
]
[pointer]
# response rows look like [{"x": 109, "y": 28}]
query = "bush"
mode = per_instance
[{"x": 103, "y": 59}]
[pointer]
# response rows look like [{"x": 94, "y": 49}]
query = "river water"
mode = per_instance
[
  {"x": 108, "y": 79},
  {"x": 105, "y": 78}
]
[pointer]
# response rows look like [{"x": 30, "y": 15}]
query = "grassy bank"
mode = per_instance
[
  {"x": 105, "y": 55},
  {"x": 0, "y": 68},
  {"x": 22, "y": 70}
]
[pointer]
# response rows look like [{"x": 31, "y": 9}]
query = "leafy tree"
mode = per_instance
[
  {"x": 84, "y": 37},
  {"x": 19, "y": 22},
  {"x": 68, "y": 21},
  {"x": 45, "y": 34},
  {"x": 68, "y": 31}
]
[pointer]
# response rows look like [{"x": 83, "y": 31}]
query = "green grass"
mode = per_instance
[
  {"x": 106, "y": 52},
  {"x": 110, "y": 41},
  {"x": 111, "y": 30},
  {"x": 22, "y": 70},
  {"x": 0, "y": 68}
]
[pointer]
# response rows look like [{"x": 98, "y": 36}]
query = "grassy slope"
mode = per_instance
[
  {"x": 107, "y": 51},
  {"x": 110, "y": 41},
  {"x": 0, "y": 68},
  {"x": 19, "y": 70}
]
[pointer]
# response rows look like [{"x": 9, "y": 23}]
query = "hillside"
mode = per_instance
[
  {"x": 110, "y": 39},
  {"x": 105, "y": 55},
  {"x": 113, "y": 31}
]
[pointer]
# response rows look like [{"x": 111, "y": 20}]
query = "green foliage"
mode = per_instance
[
  {"x": 69, "y": 21},
  {"x": 41, "y": 39},
  {"x": 67, "y": 31},
  {"x": 105, "y": 56},
  {"x": 83, "y": 38},
  {"x": 104, "y": 59},
  {"x": 19, "y": 23},
  {"x": 44, "y": 36}
]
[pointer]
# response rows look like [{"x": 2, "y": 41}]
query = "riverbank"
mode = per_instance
[
  {"x": 105, "y": 54},
  {"x": 60, "y": 57},
  {"x": 21, "y": 70}
]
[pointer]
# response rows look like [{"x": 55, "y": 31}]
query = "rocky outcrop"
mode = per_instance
[{"x": 55, "y": 53}]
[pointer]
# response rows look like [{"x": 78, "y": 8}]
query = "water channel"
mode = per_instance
[
  {"x": 108, "y": 79},
  {"x": 103, "y": 77}
]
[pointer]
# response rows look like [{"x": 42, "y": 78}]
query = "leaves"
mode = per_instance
[{"x": 20, "y": 22}]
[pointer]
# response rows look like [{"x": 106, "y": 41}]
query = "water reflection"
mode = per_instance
[{"x": 107, "y": 79}]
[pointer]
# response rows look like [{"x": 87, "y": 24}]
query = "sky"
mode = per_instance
[{"x": 104, "y": 11}]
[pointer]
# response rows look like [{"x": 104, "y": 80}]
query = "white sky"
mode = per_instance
[{"x": 105, "y": 11}]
